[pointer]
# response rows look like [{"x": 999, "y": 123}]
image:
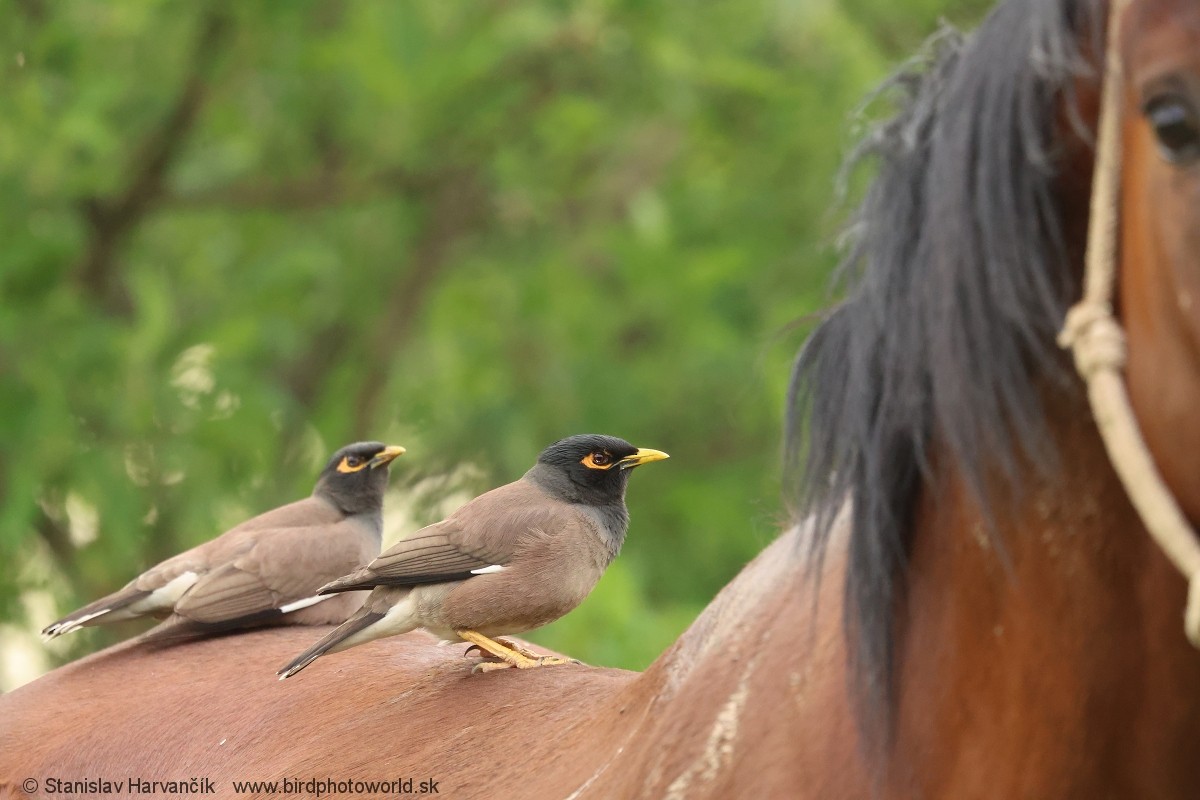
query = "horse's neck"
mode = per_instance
[
  {"x": 1057, "y": 668},
  {"x": 751, "y": 697}
]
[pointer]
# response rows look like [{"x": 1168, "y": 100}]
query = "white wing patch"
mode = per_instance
[
  {"x": 488, "y": 570},
  {"x": 305, "y": 603},
  {"x": 164, "y": 597}
]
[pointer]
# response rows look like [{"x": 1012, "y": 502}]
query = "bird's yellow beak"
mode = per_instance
[
  {"x": 644, "y": 455},
  {"x": 389, "y": 454}
]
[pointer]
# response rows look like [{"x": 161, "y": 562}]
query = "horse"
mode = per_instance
[{"x": 966, "y": 604}]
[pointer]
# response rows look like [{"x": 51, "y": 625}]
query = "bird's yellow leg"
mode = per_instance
[
  {"x": 505, "y": 652},
  {"x": 505, "y": 643},
  {"x": 543, "y": 661},
  {"x": 509, "y": 654},
  {"x": 514, "y": 647}
]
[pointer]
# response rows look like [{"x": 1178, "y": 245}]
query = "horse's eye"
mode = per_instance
[{"x": 1177, "y": 127}]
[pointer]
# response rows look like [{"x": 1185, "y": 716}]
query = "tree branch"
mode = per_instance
[
  {"x": 458, "y": 208},
  {"x": 111, "y": 220},
  {"x": 58, "y": 541},
  {"x": 33, "y": 9},
  {"x": 326, "y": 189}
]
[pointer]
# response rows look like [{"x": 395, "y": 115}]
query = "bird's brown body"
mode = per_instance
[
  {"x": 268, "y": 562},
  {"x": 557, "y": 559},
  {"x": 511, "y": 560},
  {"x": 265, "y": 570}
]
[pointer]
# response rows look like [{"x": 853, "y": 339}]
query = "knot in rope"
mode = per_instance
[{"x": 1094, "y": 337}]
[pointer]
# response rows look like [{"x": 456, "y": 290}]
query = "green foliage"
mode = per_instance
[{"x": 239, "y": 235}]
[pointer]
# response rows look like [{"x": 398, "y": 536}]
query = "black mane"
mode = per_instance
[{"x": 956, "y": 283}]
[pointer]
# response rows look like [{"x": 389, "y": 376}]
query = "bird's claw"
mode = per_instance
[
  {"x": 523, "y": 663},
  {"x": 550, "y": 661},
  {"x": 506, "y": 643},
  {"x": 503, "y": 654}
]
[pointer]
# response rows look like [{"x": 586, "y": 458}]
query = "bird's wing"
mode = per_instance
[
  {"x": 227, "y": 592},
  {"x": 156, "y": 591},
  {"x": 305, "y": 513},
  {"x": 480, "y": 537},
  {"x": 441, "y": 552},
  {"x": 203, "y": 580},
  {"x": 284, "y": 566}
]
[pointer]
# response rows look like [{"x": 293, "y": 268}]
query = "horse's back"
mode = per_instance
[
  {"x": 750, "y": 702},
  {"x": 214, "y": 709}
]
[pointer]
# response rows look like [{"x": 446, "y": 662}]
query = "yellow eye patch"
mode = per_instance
[
  {"x": 599, "y": 459},
  {"x": 352, "y": 464}
]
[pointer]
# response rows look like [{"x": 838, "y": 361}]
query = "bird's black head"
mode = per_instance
[
  {"x": 356, "y": 476},
  {"x": 590, "y": 468}
]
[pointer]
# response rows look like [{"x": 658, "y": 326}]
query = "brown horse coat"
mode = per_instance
[{"x": 731, "y": 706}]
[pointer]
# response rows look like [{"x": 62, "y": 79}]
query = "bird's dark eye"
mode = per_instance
[
  {"x": 351, "y": 464},
  {"x": 1176, "y": 126},
  {"x": 597, "y": 459}
]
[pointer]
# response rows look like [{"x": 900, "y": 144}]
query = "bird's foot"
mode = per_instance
[
  {"x": 516, "y": 648},
  {"x": 505, "y": 654},
  {"x": 540, "y": 661},
  {"x": 550, "y": 661},
  {"x": 504, "y": 643},
  {"x": 497, "y": 661}
]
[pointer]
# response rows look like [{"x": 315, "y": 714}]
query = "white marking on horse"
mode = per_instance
[
  {"x": 718, "y": 749},
  {"x": 603, "y": 767}
]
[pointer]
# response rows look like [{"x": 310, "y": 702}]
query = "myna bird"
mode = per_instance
[
  {"x": 513, "y": 559},
  {"x": 265, "y": 571}
]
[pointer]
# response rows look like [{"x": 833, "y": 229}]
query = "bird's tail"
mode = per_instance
[
  {"x": 360, "y": 579},
  {"x": 112, "y": 608},
  {"x": 361, "y": 620},
  {"x": 176, "y": 628}
]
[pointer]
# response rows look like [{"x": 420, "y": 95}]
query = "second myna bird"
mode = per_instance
[
  {"x": 266, "y": 570},
  {"x": 509, "y": 561}
]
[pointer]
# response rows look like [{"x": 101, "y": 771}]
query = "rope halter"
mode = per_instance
[{"x": 1098, "y": 342}]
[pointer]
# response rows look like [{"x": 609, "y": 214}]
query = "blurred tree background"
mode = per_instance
[{"x": 239, "y": 235}]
